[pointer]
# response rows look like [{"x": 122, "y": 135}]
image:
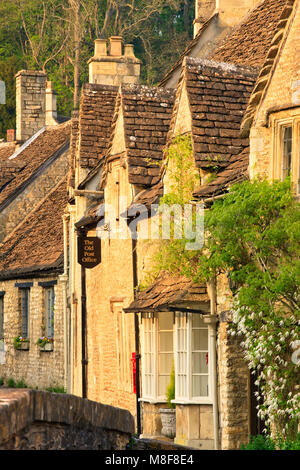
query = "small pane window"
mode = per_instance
[
  {"x": 192, "y": 371},
  {"x": 287, "y": 151},
  {"x": 165, "y": 351},
  {"x": 49, "y": 308},
  {"x": 1, "y": 321},
  {"x": 24, "y": 299}
]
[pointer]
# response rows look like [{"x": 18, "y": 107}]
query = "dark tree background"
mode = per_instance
[{"x": 57, "y": 36}]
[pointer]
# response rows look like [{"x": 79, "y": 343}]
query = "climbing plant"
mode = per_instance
[{"x": 252, "y": 235}]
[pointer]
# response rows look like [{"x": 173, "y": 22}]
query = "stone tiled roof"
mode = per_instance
[
  {"x": 36, "y": 245},
  {"x": 34, "y": 155},
  {"x": 169, "y": 292},
  {"x": 95, "y": 119},
  {"x": 267, "y": 67},
  {"x": 235, "y": 172},
  {"x": 8, "y": 168},
  {"x": 218, "y": 94},
  {"x": 147, "y": 114},
  {"x": 249, "y": 42}
]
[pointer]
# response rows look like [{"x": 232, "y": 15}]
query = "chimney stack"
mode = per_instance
[
  {"x": 110, "y": 66},
  {"x": 51, "y": 114},
  {"x": 35, "y": 103},
  {"x": 230, "y": 12},
  {"x": 30, "y": 103}
]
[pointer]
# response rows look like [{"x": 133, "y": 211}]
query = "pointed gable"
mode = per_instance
[
  {"x": 145, "y": 113},
  {"x": 218, "y": 94},
  {"x": 249, "y": 42},
  {"x": 279, "y": 65},
  {"x": 95, "y": 119}
]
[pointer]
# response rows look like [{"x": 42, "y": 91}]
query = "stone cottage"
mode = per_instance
[
  {"x": 106, "y": 168},
  {"x": 33, "y": 196},
  {"x": 124, "y": 342}
]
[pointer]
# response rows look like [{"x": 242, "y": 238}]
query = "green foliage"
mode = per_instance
[
  {"x": 252, "y": 235},
  {"x": 40, "y": 35},
  {"x": 266, "y": 443},
  {"x": 43, "y": 340},
  {"x": 21, "y": 384},
  {"x": 11, "y": 383},
  {"x": 8, "y": 68},
  {"x": 56, "y": 389},
  {"x": 171, "y": 389},
  {"x": 1, "y": 381},
  {"x": 18, "y": 340}
]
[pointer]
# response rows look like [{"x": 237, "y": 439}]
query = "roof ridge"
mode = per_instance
[{"x": 225, "y": 66}]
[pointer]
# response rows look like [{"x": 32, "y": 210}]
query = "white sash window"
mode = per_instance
[{"x": 184, "y": 343}]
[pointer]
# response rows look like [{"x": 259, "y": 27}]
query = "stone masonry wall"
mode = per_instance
[
  {"x": 35, "y": 420},
  {"x": 30, "y": 103},
  {"x": 35, "y": 367}
]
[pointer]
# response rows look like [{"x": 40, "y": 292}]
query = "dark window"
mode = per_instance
[
  {"x": 287, "y": 152},
  {"x": 1, "y": 317},
  {"x": 49, "y": 310},
  {"x": 24, "y": 300}
]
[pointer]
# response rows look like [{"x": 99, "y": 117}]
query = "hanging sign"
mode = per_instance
[{"x": 89, "y": 251}]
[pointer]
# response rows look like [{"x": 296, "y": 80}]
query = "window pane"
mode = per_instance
[
  {"x": 165, "y": 363},
  {"x": 148, "y": 356},
  {"x": 166, "y": 341},
  {"x": 200, "y": 386},
  {"x": 165, "y": 351},
  {"x": 25, "y": 312},
  {"x": 199, "y": 363},
  {"x": 49, "y": 302},
  {"x": 287, "y": 152},
  {"x": 200, "y": 340},
  {"x": 1, "y": 317}
]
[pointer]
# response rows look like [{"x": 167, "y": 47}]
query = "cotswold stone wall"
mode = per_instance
[
  {"x": 35, "y": 420},
  {"x": 35, "y": 367},
  {"x": 30, "y": 102}
]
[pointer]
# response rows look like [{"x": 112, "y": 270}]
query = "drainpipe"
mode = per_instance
[
  {"x": 211, "y": 321},
  {"x": 64, "y": 279},
  {"x": 84, "y": 361},
  {"x": 137, "y": 339}
]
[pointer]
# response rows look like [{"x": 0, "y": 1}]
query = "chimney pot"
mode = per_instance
[
  {"x": 129, "y": 50},
  {"x": 115, "y": 45},
  {"x": 100, "y": 48},
  {"x": 10, "y": 135}
]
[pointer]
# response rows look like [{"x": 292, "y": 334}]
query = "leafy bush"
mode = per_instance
[
  {"x": 56, "y": 389},
  {"x": 11, "y": 382},
  {"x": 266, "y": 443},
  {"x": 171, "y": 389}
]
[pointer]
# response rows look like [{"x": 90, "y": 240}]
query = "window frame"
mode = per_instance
[
  {"x": 22, "y": 291},
  {"x": 279, "y": 122},
  {"x": 153, "y": 319},
  {"x": 2, "y": 331},
  {"x": 154, "y": 397},
  {"x": 49, "y": 294},
  {"x": 188, "y": 398}
]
